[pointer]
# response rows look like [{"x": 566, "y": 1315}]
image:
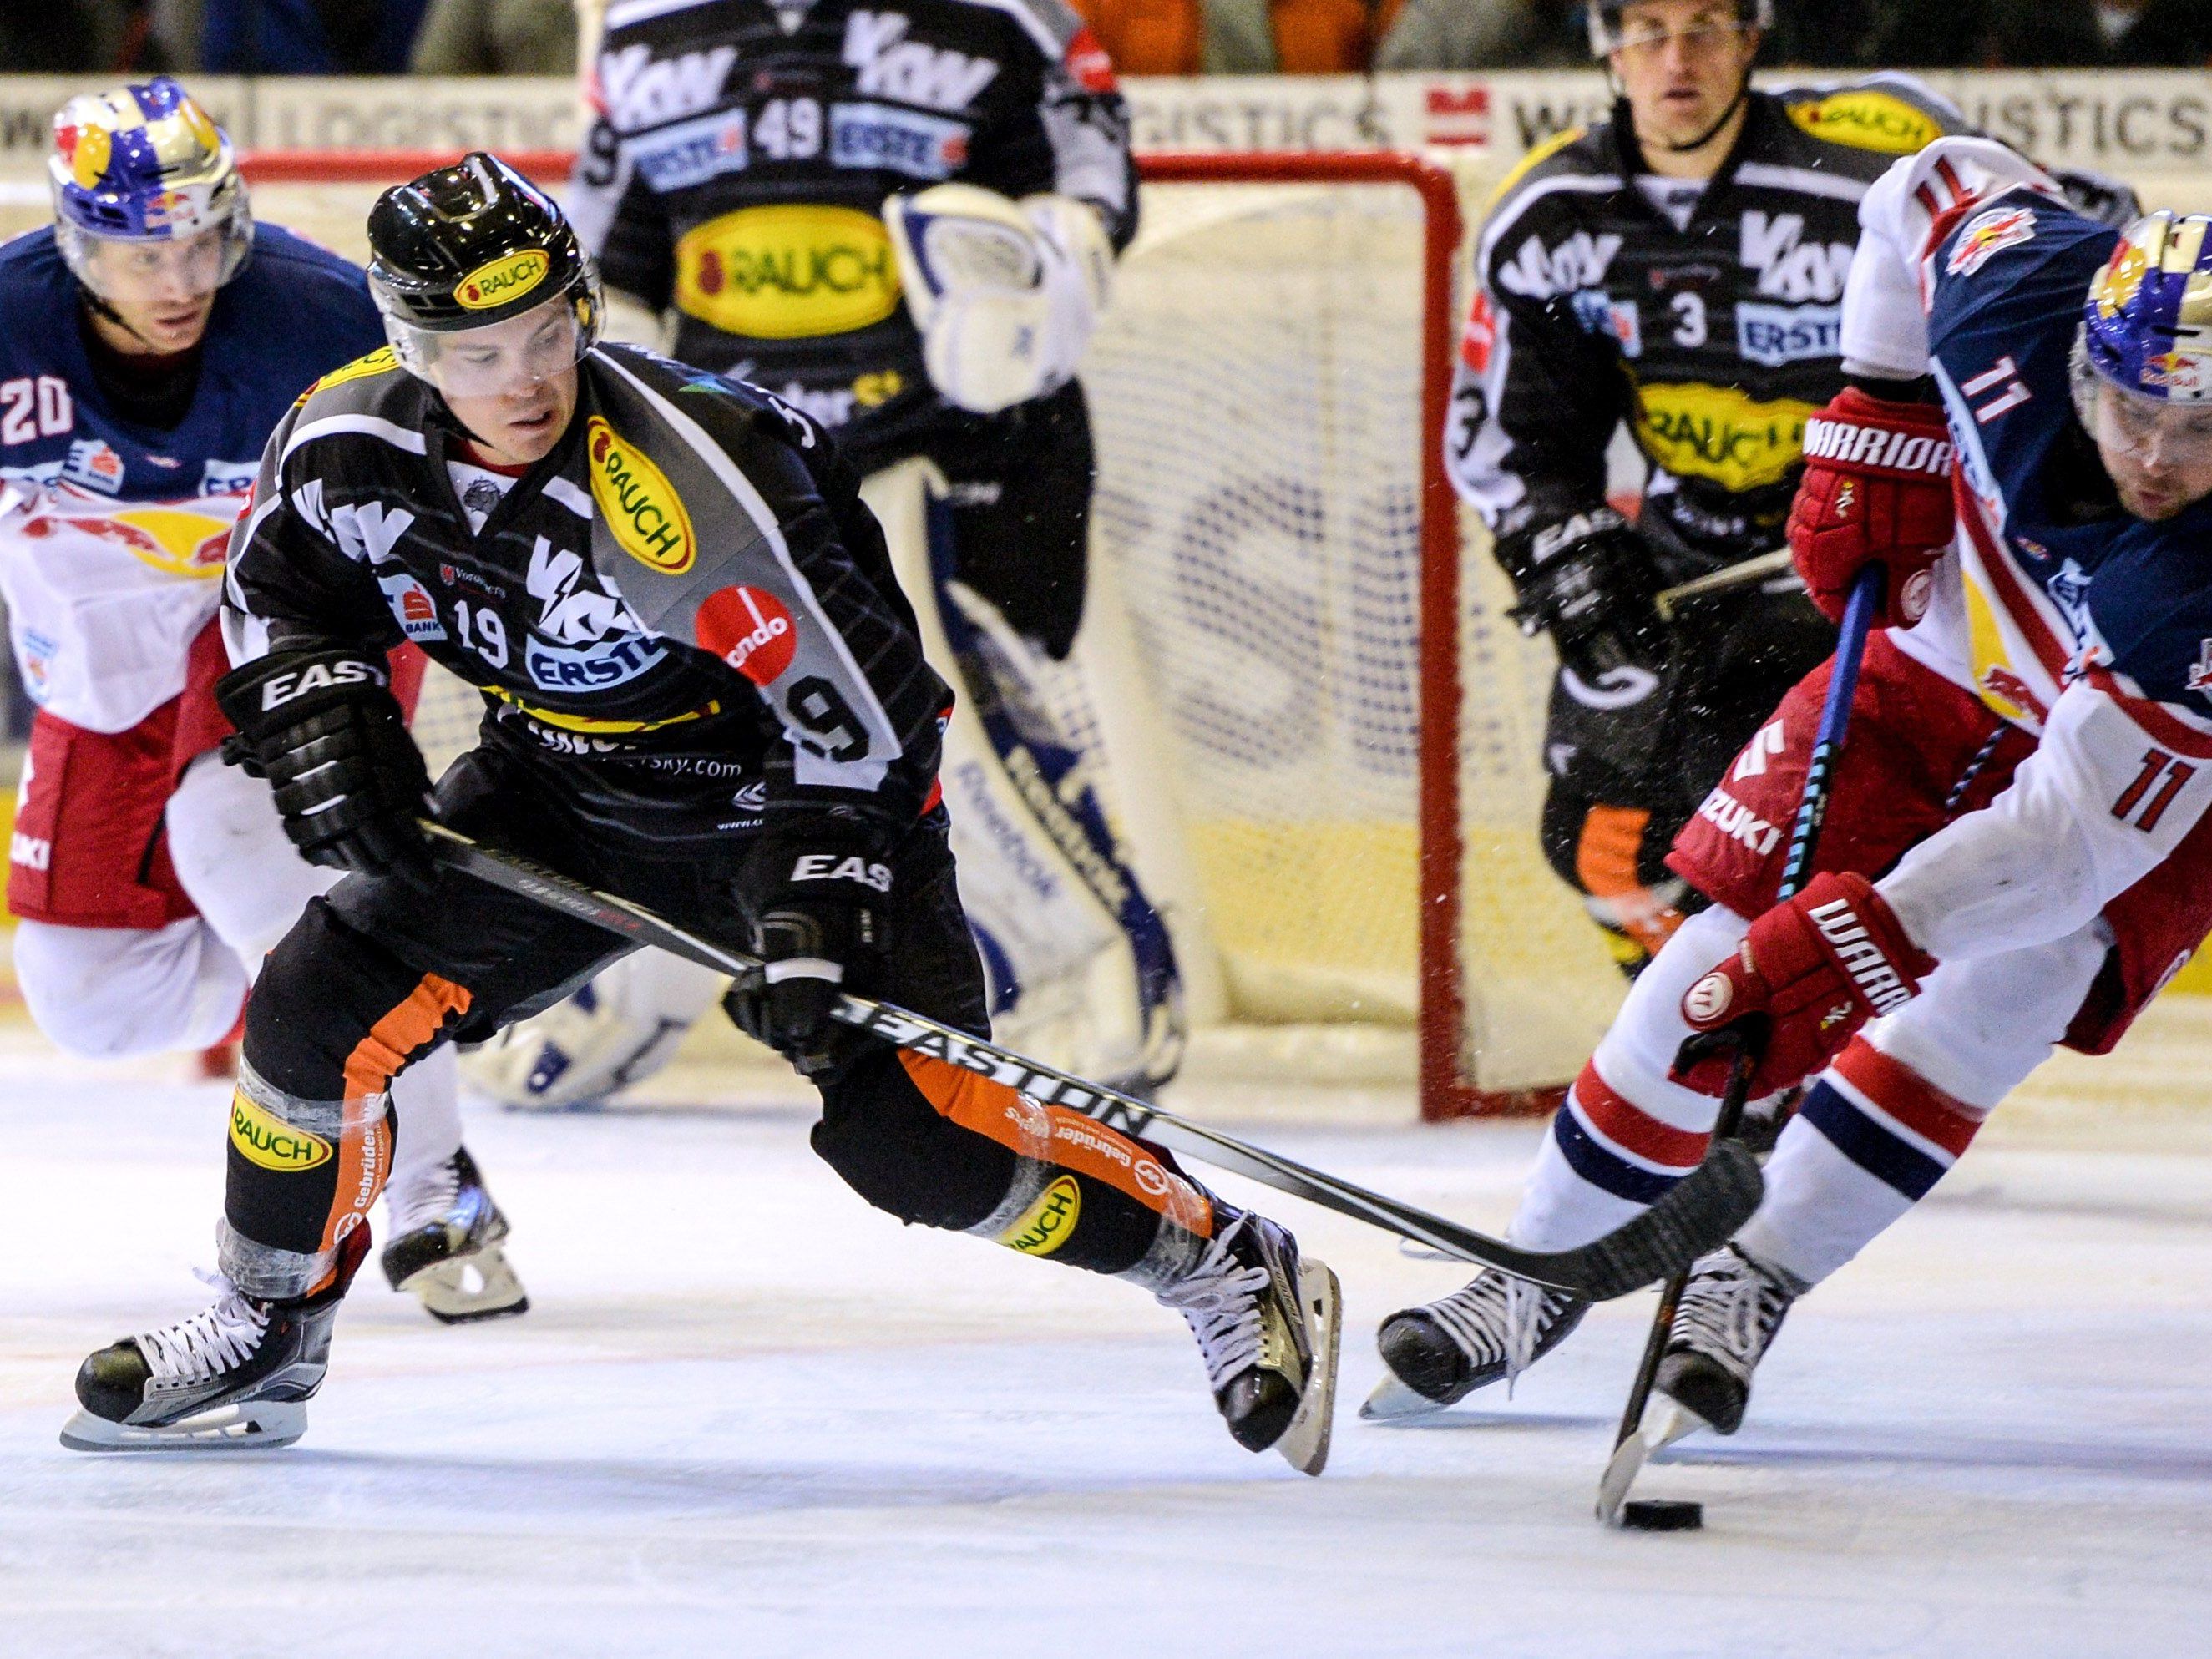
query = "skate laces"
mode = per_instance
[
  {"x": 1731, "y": 1309},
  {"x": 1220, "y": 1299},
  {"x": 1498, "y": 1317},
  {"x": 194, "y": 1349}
]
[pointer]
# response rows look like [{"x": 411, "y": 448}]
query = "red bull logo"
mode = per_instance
[{"x": 1989, "y": 235}]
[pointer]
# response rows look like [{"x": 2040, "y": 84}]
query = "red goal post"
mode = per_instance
[{"x": 1449, "y": 1044}]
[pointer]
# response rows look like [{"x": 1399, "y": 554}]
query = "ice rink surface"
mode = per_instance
[{"x": 748, "y": 1416}]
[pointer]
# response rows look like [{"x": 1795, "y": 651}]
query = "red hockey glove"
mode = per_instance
[
  {"x": 1877, "y": 489},
  {"x": 1816, "y": 966}
]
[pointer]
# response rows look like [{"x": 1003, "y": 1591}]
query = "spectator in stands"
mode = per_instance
[
  {"x": 497, "y": 37},
  {"x": 61, "y": 37},
  {"x": 1242, "y": 37},
  {"x": 1482, "y": 34},
  {"x": 176, "y": 32},
  {"x": 2047, "y": 34},
  {"x": 310, "y": 37}
]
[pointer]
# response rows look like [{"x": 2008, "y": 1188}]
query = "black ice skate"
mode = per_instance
[
  {"x": 444, "y": 1248},
  {"x": 1439, "y": 1353},
  {"x": 236, "y": 1377},
  {"x": 1267, "y": 1325},
  {"x": 1729, "y": 1312}
]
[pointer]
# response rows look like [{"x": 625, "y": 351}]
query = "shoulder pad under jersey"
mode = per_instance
[{"x": 1884, "y": 116}]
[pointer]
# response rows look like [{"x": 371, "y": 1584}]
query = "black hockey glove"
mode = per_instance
[
  {"x": 324, "y": 727},
  {"x": 819, "y": 904},
  {"x": 1589, "y": 581}
]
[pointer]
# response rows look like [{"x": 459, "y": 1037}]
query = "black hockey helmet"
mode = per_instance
[
  {"x": 1606, "y": 35},
  {"x": 468, "y": 246}
]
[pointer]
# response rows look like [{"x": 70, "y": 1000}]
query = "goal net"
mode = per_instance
[{"x": 1323, "y": 736}]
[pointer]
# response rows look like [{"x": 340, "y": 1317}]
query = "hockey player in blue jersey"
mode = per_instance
[
  {"x": 150, "y": 340},
  {"x": 2015, "y": 853}
]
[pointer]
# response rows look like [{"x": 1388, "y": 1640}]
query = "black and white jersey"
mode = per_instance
[
  {"x": 742, "y": 151},
  {"x": 1708, "y": 319},
  {"x": 684, "y": 609}
]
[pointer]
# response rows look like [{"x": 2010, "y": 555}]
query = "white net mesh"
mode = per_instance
[{"x": 1256, "y": 393}]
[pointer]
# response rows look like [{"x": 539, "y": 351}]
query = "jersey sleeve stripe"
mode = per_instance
[
  {"x": 368, "y": 425},
  {"x": 2163, "y": 723},
  {"x": 2020, "y": 604},
  {"x": 623, "y": 12},
  {"x": 868, "y": 772},
  {"x": 1511, "y": 212},
  {"x": 1804, "y": 180}
]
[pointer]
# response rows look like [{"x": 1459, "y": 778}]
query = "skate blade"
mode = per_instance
[
  {"x": 253, "y": 1425},
  {"x": 1393, "y": 1402},
  {"x": 1629, "y": 1457},
  {"x": 468, "y": 1288},
  {"x": 1304, "y": 1445}
]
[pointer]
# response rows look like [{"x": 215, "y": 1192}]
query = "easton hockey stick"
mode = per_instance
[
  {"x": 1633, "y": 1446},
  {"x": 1668, "y": 600},
  {"x": 1699, "y": 1215}
]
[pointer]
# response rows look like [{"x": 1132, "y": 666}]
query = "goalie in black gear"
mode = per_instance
[
  {"x": 901, "y": 221},
  {"x": 704, "y": 692}
]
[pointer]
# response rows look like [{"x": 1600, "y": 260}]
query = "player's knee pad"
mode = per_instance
[
  {"x": 105, "y": 993},
  {"x": 890, "y": 1144},
  {"x": 1637, "y": 1050},
  {"x": 234, "y": 862},
  {"x": 616, "y": 1031},
  {"x": 336, "y": 1014},
  {"x": 1981, "y": 1024}
]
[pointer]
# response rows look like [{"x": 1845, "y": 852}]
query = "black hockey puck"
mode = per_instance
[{"x": 1662, "y": 1515}]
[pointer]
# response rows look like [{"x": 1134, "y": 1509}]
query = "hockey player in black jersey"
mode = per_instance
[
  {"x": 1679, "y": 270},
  {"x": 900, "y": 218},
  {"x": 703, "y": 691}
]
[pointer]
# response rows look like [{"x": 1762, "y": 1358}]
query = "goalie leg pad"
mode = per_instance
[{"x": 612, "y": 1033}]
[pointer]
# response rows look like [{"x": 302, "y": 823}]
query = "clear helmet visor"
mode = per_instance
[
  {"x": 510, "y": 357},
  {"x": 127, "y": 270},
  {"x": 1639, "y": 29},
  {"x": 204, "y": 246}
]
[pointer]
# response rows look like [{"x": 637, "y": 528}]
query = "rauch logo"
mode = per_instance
[
  {"x": 507, "y": 277},
  {"x": 643, "y": 510}
]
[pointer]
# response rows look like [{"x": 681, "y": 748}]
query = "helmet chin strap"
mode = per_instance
[
  {"x": 1742, "y": 92},
  {"x": 99, "y": 307}
]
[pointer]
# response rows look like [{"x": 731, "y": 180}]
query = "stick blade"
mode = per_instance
[{"x": 1698, "y": 1216}]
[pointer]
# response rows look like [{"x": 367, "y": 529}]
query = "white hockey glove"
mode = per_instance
[{"x": 1005, "y": 294}]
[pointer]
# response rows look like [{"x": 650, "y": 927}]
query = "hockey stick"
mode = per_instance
[
  {"x": 1633, "y": 1446},
  {"x": 1704, "y": 1209},
  {"x": 1668, "y": 600}
]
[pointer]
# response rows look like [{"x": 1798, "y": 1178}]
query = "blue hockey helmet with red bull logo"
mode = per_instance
[
  {"x": 2147, "y": 324},
  {"x": 144, "y": 163}
]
